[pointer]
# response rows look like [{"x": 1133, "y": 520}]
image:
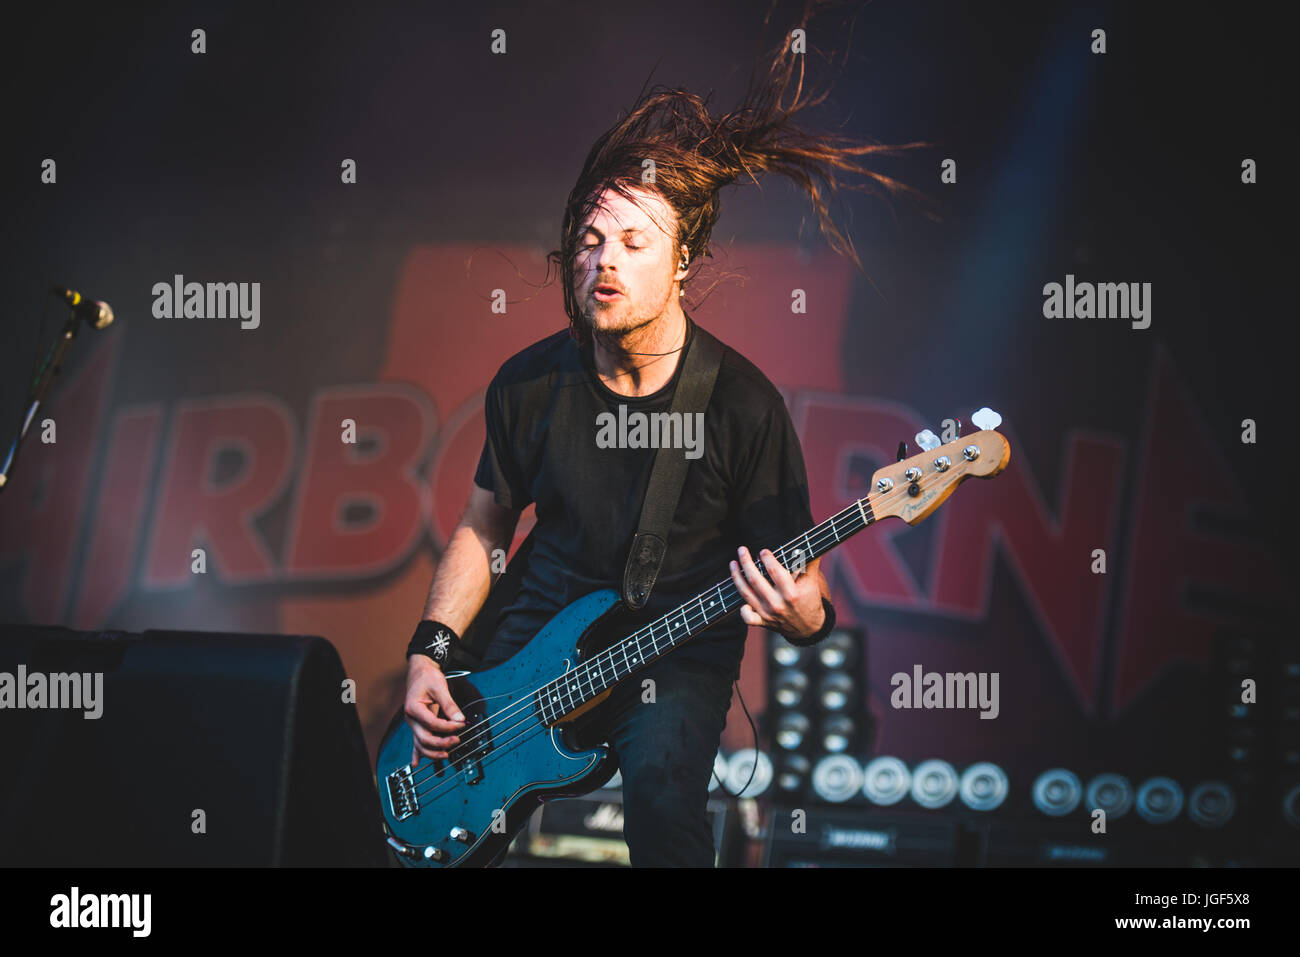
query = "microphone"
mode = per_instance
[{"x": 98, "y": 314}]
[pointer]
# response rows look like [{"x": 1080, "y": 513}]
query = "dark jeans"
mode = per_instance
[{"x": 665, "y": 749}]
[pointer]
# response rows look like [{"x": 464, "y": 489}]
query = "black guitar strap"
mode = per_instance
[{"x": 668, "y": 474}]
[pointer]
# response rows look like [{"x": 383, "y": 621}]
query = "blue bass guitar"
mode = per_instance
[{"x": 519, "y": 745}]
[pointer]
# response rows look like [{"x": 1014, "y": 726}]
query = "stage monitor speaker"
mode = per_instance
[{"x": 209, "y": 749}]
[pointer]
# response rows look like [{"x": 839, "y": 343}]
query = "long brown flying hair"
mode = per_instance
[{"x": 695, "y": 155}]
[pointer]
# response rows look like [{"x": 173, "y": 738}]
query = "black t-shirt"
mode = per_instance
[{"x": 747, "y": 487}]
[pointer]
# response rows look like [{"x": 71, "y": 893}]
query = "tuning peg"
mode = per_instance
[
  {"x": 902, "y": 451},
  {"x": 986, "y": 418},
  {"x": 927, "y": 440}
]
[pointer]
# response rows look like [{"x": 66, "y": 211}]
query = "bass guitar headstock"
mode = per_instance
[{"x": 914, "y": 487}]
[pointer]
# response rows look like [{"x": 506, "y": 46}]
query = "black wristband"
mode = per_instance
[
  {"x": 434, "y": 639},
  {"x": 822, "y": 632}
]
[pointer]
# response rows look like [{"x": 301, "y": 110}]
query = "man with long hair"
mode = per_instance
[{"x": 638, "y": 219}]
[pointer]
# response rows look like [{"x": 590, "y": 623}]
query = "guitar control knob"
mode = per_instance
[
  {"x": 435, "y": 854},
  {"x": 462, "y": 835}
]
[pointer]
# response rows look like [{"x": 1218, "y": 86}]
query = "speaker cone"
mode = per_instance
[
  {"x": 837, "y": 778},
  {"x": 934, "y": 784},
  {"x": 747, "y": 762},
  {"x": 1159, "y": 800},
  {"x": 887, "y": 781},
  {"x": 984, "y": 786},
  {"x": 1211, "y": 804},
  {"x": 1057, "y": 792}
]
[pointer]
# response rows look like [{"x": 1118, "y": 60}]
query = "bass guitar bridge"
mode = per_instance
[{"x": 402, "y": 797}]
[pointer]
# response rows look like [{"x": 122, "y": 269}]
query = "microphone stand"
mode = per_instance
[{"x": 44, "y": 377}]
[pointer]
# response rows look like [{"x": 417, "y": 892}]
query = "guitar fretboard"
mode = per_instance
[{"x": 601, "y": 672}]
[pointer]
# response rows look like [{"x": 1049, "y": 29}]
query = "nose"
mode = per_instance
[
  {"x": 606, "y": 259},
  {"x": 609, "y": 254}
]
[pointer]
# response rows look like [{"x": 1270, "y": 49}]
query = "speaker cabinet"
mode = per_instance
[{"x": 209, "y": 750}]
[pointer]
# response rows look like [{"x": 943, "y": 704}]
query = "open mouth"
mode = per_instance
[{"x": 606, "y": 293}]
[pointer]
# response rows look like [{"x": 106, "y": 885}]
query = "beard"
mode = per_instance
[{"x": 609, "y": 323}]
